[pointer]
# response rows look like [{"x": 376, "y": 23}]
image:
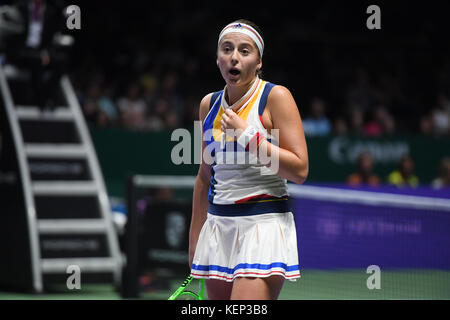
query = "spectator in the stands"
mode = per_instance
[
  {"x": 149, "y": 83},
  {"x": 133, "y": 108},
  {"x": 107, "y": 110},
  {"x": 426, "y": 124},
  {"x": 404, "y": 175},
  {"x": 317, "y": 124},
  {"x": 443, "y": 178},
  {"x": 364, "y": 174},
  {"x": 90, "y": 102},
  {"x": 356, "y": 121},
  {"x": 156, "y": 120},
  {"x": 170, "y": 91},
  {"x": 381, "y": 122},
  {"x": 441, "y": 116},
  {"x": 171, "y": 120},
  {"x": 340, "y": 126},
  {"x": 190, "y": 114}
]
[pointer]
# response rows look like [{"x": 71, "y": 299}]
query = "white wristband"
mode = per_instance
[
  {"x": 250, "y": 139},
  {"x": 246, "y": 136}
]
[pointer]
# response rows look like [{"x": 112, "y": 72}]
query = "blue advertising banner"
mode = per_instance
[{"x": 373, "y": 228}]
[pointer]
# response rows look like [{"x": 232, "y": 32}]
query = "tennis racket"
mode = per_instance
[{"x": 182, "y": 294}]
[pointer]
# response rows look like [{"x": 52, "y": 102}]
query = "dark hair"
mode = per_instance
[{"x": 258, "y": 29}]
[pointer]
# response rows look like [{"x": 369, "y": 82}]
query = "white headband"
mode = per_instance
[{"x": 247, "y": 30}]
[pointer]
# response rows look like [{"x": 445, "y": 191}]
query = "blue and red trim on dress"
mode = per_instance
[{"x": 255, "y": 266}]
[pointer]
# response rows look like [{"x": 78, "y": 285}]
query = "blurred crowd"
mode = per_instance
[
  {"x": 403, "y": 176},
  {"x": 376, "y": 120},
  {"x": 145, "y": 103},
  {"x": 142, "y": 79},
  {"x": 157, "y": 102},
  {"x": 146, "y": 66}
]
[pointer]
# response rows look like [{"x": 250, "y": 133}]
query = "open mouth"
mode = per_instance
[{"x": 234, "y": 72}]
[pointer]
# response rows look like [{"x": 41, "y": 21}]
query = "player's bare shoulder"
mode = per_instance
[
  {"x": 278, "y": 96},
  {"x": 204, "y": 106},
  {"x": 281, "y": 104},
  {"x": 204, "y": 170}
]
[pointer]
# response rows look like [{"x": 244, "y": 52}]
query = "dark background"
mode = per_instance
[{"x": 313, "y": 48}]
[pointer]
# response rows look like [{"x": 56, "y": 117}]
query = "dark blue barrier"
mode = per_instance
[{"x": 341, "y": 233}]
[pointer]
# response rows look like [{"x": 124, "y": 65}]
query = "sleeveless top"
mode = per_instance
[{"x": 240, "y": 184}]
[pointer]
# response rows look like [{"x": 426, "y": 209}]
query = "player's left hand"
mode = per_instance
[{"x": 232, "y": 122}]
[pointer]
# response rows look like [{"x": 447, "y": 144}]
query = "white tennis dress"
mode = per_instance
[{"x": 250, "y": 229}]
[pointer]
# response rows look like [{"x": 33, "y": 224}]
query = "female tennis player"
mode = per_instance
[{"x": 242, "y": 235}]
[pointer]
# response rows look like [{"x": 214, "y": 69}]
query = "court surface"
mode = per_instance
[{"x": 314, "y": 284}]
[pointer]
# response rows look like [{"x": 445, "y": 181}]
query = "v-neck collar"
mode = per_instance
[{"x": 243, "y": 100}]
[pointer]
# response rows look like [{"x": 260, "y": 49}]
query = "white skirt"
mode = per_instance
[{"x": 247, "y": 246}]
